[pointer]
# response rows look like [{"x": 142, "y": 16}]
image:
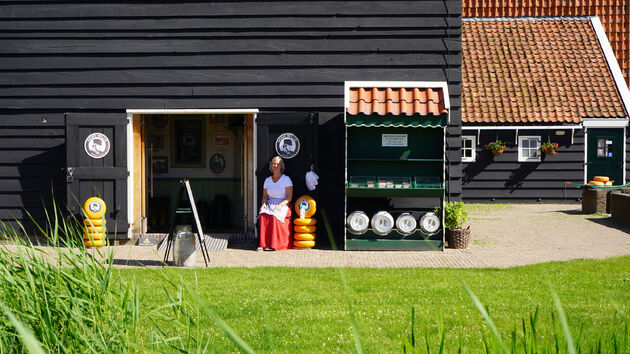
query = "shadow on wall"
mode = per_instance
[
  {"x": 41, "y": 178},
  {"x": 472, "y": 169},
  {"x": 331, "y": 179},
  {"x": 518, "y": 175}
]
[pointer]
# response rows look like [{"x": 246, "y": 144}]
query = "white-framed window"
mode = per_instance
[
  {"x": 528, "y": 148},
  {"x": 469, "y": 142}
]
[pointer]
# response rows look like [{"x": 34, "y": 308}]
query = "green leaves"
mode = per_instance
[{"x": 455, "y": 215}]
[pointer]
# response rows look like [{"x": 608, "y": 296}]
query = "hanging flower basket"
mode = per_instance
[
  {"x": 548, "y": 148},
  {"x": 495, "y": 147}
]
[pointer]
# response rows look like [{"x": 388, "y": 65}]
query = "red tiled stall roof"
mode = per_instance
[
  {"x": 396, "y": 101},
  {"x": 535, "y": 70}
]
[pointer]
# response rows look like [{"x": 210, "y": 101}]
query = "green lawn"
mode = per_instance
[{"x": 306, "y": 310}]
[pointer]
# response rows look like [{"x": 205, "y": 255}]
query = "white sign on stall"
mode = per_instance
[{"x": 394, "y": 140}]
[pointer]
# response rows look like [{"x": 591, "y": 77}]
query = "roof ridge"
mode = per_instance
[{"x": 527, "y": 18}]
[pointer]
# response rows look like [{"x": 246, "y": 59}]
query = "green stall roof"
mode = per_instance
[{"x": 402, "y": 121}]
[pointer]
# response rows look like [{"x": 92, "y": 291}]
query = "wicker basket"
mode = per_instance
[{"x": 458, "y": 238}]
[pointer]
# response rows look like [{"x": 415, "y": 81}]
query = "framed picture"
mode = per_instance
[
  {"x": 217, "y": 163},
  {"x": 188, "y": 142},
  {"x": 159, "y": 120},
  {"x": 160, "y": 164},
  {"x": 156, "y": 142},
  {"x": 222, "y": 139}
]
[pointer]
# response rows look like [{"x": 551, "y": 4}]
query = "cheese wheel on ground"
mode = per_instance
[
  {"x": 304, "y": 244},
  {"x": 304, "y": 237},
  {"x": 305, "y": 221},
  {"x": 95, "y": 229},
  {"x": 601, "y": 178},
  {"x": 95, "y": 243},
  {"x": 93, "y": 236},
  {"x": 308, "y": 204},
  {"x": 596, "y": 183},
  {"x": 304, "y": 228}
]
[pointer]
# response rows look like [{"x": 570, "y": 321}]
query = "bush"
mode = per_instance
[{"x": 454, "y": 215}]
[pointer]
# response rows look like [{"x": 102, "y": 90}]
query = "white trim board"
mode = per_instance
[
  {"x": 605, "y": 122},
  {"x": 612, "y": 62},
  {"x": 193, "y": 111}
]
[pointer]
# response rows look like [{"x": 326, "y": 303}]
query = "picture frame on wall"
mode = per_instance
[
  {"x": 160, "y": 164},
  {"x": 188, "y": 148},
  {"x": 156, "y": 142}
]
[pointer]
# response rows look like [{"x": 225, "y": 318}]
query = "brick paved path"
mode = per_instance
[{"x": 502, "y": 236}]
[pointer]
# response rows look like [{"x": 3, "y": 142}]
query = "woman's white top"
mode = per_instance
[{"x": 277, "y": 192}]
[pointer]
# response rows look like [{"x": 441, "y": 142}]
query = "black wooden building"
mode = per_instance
[{"x": 234, "y": 75}]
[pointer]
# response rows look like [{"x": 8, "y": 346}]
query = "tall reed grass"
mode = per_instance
[{"x": 64, "y": 298}]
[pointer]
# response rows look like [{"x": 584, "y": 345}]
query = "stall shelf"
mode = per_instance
[{"x": 395, "y": 163}]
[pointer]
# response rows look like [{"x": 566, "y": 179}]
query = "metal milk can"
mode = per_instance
[{"x": 184, "y": 247}]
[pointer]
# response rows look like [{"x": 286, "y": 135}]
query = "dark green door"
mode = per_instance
[{"x": 605, "y": 154}]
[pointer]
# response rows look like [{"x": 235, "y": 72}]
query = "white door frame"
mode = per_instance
[
  {"x": 610, "y": 123},
  {"x": 131, "y": 113}
]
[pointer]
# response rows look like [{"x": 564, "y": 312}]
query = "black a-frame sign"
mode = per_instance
[{"x": 184, "y": 186}]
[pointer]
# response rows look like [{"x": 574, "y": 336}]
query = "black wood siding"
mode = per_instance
[
  {"x": 108, "y": 56},
  {"x": 503, "y": 179}
]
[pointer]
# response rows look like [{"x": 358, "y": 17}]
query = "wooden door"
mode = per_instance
[{"x": 96, "y": 165}]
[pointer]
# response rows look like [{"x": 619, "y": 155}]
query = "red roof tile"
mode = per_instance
[
  {"x": 614, "y": 14},
  {"x": 396, "y": 101},
  {"x": 535, "y": 70}
]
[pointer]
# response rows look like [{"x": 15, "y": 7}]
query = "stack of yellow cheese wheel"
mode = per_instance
[
  {"x": 601, "y": 181},
  {"x": 304, "y": 227},
  {"x": 95, "y": 234}
]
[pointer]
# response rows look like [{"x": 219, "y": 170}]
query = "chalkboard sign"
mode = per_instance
[{"x": 184, "y": 186}]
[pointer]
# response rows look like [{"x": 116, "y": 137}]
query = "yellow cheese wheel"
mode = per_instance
[
  {"x": 304, "y": 244},
  {"x": 601, "y": 179},
  {"x": 94, "y": 222},
  {"x": 308, "y": 203},
  {"x": 596, "y": 183},
  {"x": 94, "y": 208},
  {"x": 608, "y": 184},
  {"x": 95, "y": 243},
  {"x": 305, "y": 221},
  {"x": 93, "y": 236},
  {"x": 95, "y": 229},
  {"x": 304, "y": 228},
  {"x": 304, "y": 237}
]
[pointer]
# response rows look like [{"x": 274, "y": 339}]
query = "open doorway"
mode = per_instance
[{"x": 215, "y": 151}]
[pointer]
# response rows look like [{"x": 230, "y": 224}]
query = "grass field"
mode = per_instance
[{"x": 306, "y": 310}]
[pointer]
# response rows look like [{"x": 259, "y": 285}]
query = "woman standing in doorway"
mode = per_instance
[{"x": 275, "y": 211}]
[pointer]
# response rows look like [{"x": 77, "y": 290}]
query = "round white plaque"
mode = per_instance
[{"x": 97, "y": 145}]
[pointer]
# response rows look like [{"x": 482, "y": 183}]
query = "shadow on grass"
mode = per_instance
[{"x": 140, "y": 262}]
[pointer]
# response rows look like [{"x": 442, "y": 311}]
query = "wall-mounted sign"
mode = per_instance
[
  {"x": 222, "y": 139},
  {"x": 97, "y": 145},
  {"x": 394, "y": 140},
  {"x": 287, "y": 145},
  {"x": 217, "y": 163}
]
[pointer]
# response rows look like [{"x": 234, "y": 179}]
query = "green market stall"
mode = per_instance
[{"x": 395, "y": 166}]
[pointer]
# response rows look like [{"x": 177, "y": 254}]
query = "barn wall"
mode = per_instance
[
  {"x": 503, "y": 179},
  {"x": 108, "y": 56}
]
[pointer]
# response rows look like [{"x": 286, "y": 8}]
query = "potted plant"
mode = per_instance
[
  {"x": 495, "y": 147},
  {"x": 454, "y": 217},
  {"x": 548, "y": 148}
]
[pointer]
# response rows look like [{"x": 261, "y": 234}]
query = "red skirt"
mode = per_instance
[{"x": 275, "y": 234}]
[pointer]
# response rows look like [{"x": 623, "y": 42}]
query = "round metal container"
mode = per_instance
[
  {"x": 184, "y": 247},
  {"x": 357, "y": 222},
  {"x": 406, "y": 223},
  {"x": 429, "y": 223},
  {"x": 382, "y": 223}
]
